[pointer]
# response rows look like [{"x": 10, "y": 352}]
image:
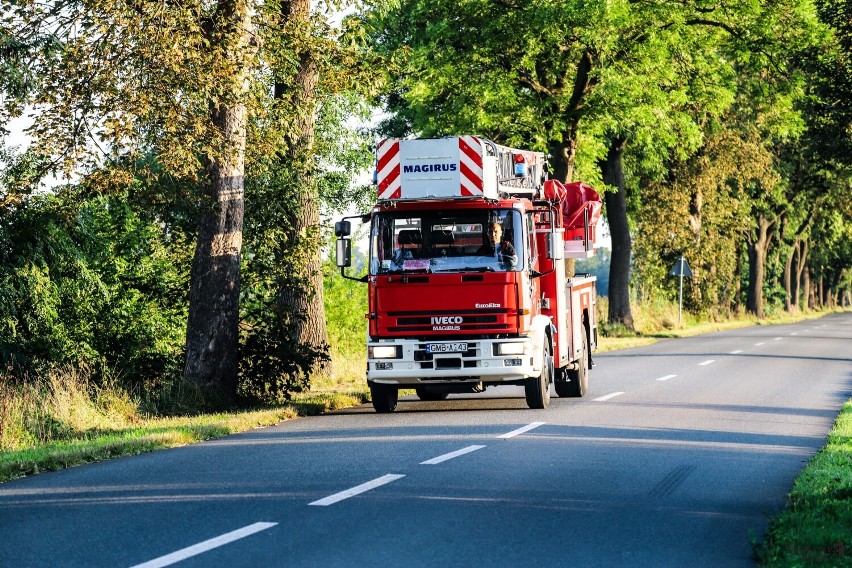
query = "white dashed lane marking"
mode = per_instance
[
  {"x": 451, "y": 455},
  {"x": 357, "y": 490},
  {"x": 607, "y": 397},
  {"x": 667, "y": 377},
  {"x": 521, "y": 430},
  {"x": 201, "y": 547}
]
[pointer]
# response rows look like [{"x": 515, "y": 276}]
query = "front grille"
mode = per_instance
[
  {"x": 428, "y": 320},
  {"x": 411, "y": 329}
]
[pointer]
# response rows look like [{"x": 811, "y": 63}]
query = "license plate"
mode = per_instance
[{"x": 446, "y": 347}]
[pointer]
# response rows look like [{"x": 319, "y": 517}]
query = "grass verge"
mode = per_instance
[
  {"x": 815, "y": 529},
  {"x": 157, "y": 433}
]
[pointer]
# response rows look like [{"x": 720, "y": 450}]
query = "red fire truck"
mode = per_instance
[{"x": 466, "y": 276}]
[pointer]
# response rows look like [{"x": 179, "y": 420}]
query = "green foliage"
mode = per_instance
[
  {"x": 702, "y": 213},
  {"x": 90, "y": 281},
  {"x": 346, "y": 306}
]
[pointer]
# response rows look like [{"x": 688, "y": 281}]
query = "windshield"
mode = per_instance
[{"x": 481, "y": 240}]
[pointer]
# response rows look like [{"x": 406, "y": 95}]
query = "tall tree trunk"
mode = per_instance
[
  {"x": 738, "y": 287},
  {"x": 212, "y": 338},
  {"x": 616, "y": 214},
  {"x": 789, "y": 285},
  {"x": 301, "y": 298},
  {"x": 758, "y": 247},
  {"x": 801, "y": 276},
  {"x": 809, "y": 291}
]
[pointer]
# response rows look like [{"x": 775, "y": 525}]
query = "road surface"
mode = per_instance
[{"x": 677, "y": 456}]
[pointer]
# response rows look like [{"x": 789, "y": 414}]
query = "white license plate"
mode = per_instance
[{"x": 446, "y": 348}]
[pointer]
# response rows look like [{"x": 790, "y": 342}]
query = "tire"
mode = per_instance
[
  {"x": 537, "y": 389},
  {"x": 427, "y": 395},
  {"x": 384, "y": 397},
  {"x": 578, "y": 381}
]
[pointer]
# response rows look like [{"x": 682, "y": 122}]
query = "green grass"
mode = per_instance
[
  {"x": 815, "y": 529},
  {"x": 77, "y": 446}
]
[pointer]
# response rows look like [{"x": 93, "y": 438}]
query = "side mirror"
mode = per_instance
[
  {"x": 342, "y": 229},
  {"x": 344, "y": 253},
  {"x": 556, "y": 246}
]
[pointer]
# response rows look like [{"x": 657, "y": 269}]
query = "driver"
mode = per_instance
[{"x": 495, "y": 245}]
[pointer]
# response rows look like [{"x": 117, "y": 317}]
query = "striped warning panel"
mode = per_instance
[
  {"x": 470, "y": 165},
  {"x": 390, "y": 182}
]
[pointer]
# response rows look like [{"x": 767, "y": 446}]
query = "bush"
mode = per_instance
[{"x": 92, "y": 282}]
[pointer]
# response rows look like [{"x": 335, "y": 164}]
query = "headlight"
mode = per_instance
[
  {"x": 383, "y": 352},
  {"x": 510, "y": 349}
]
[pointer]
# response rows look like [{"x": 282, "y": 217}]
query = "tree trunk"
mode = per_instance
[
  {"x": 738, "y": 287},
  {"x": 789, "y": 301},
  {"x": 212, "y": 338},
  {"x": 563, "y": 154},
  {"x": 616, "y": 214},
  {"x": 695, "y": 203},
  {"x": 758, "y": 246},
  {"x": 302, "y": 298},
  {"x": 809, "y": 291},
  {"x": 801, "y": 275}
]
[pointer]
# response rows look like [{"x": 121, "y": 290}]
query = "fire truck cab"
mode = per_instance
[{"x": 466, "y": 273}]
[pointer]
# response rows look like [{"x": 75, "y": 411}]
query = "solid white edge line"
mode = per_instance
[
  {"x": 451, "y": 455},
  {"x": 707, "y": 362},
  {"x": 737, "y": 351},
  {"x": 521, "y": 430},
  {"x": 667, "y": 377},
  {"x": 210, "y": 544},
  {"x": 607, "y": 397},
  {"x": 357, "y": 490}
]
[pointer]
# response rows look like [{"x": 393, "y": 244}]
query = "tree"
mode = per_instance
[
  {"x": 191, "y": 85},
  {"x": 548, "y": 75},
  {"x": 212, "y": 335}
]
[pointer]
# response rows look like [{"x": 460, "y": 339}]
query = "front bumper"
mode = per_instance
[{"x": 414, "y": 364}]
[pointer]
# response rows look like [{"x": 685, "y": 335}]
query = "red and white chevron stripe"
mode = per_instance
[
  {"x": 470, "y": 165},
  {"x": 390, "y": 181}
]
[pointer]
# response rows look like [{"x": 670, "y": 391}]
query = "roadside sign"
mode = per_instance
[{"x": 681, "y": 268}]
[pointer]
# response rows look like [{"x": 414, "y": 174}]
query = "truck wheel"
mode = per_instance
[
  {"x": 537, "y": 389},
  {"x": 578, "y": 380},
  {"x": 384, "y": 397},
  {"x": 428, "y": 395}
]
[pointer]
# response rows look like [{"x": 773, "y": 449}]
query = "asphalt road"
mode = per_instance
[{"x": 676, "y": 457}]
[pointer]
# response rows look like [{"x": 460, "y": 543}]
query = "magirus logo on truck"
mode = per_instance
[
  {"x": 447, "y": 323},
  {"x": 460, "y": 218}
]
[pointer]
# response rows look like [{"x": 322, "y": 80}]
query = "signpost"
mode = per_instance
[{"x": 680, "y": 269}]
